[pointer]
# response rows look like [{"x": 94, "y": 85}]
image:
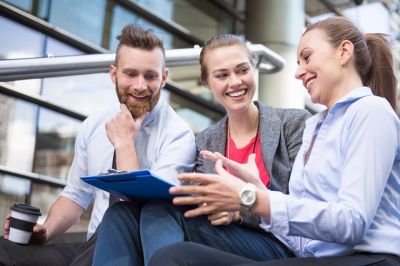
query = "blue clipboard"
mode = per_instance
[{"x": 140, "y": 184}]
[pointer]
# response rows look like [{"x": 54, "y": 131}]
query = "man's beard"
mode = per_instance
[{"x": 139, "y": 108}]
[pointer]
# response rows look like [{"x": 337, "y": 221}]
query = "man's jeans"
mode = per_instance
[{"x": 118, "y": 241}]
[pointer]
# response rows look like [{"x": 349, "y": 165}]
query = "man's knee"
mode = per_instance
[
  {"x": 161, "y": 207},
  {"x": 121, "y": 210}
]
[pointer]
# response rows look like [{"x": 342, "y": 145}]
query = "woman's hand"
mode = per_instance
[
  {"x": 223, "y": 218},
  {"x": 248, "y": 172},
  {"x": 219, "y": 191}
]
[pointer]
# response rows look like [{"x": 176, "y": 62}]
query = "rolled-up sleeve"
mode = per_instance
[{"x": 76, "y": 190}]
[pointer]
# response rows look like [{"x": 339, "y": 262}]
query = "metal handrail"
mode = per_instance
[
  {"x": 19, "y": 69},
  {"x": 37, "y": 178}
]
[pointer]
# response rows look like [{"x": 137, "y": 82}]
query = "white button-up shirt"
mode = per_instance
[{"x": 165, "y": 144}]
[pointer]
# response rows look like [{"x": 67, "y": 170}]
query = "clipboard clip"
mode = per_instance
[{"x": 112, "y": 171}]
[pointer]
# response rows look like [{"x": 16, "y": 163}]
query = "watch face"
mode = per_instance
[{"x": 248, "y": 197}]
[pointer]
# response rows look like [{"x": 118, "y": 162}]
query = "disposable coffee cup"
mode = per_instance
[{"x": 23, "y": 219}]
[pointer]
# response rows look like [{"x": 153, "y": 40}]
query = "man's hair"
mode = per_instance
[{"x": 137, "y": 37}]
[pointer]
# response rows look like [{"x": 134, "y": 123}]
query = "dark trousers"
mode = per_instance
[
  {"x": 47, "y": 255},
  {"x": 193, "y": 254}
]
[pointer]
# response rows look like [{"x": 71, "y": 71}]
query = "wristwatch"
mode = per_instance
[{"x": 247, "y": 196}]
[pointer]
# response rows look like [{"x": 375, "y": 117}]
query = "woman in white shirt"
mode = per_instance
[{"x": 343, "y": 205}]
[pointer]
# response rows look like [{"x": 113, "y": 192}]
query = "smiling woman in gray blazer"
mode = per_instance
[{"x": 281, "y": 131}]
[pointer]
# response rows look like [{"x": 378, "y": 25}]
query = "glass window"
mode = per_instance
[
  {"x": 164, "y": 8},
  {"x": 15, "y": 45},
  {"x": 25, "y": 5},
  {"x": 17, "y": 129},
  {"x": 202, "y": 18},
  {"x": 85, "y": 94},
  {"x": 196, "y": 121},
  {"x": 121, "y": 17},
  {"x": 36, "y": 7},
  {"x": 197, "y": 116},
  {"x": 57, "y": 48},
  {"x": 188, "y": 79},
  {"x": 99, "y": 21},
  {"x": 83, "y": 18},
  {"x": 55, "y": 144}
]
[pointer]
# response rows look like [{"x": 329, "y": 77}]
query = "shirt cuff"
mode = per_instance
[
  {"x": 278, "y": 223},
  {"x": 79, "y": 197}
]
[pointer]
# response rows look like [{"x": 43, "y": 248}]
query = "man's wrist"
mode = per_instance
[{"x": 125, "y": 144}]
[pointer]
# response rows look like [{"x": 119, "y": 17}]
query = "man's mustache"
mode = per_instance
[{"x": 140, "y": 93}]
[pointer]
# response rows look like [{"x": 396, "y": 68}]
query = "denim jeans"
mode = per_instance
[
  {"x": 118, "y": 241},
  {"x": 162, "y": 224}
]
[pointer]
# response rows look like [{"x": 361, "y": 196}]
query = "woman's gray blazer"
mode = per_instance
[{"x": 281, "y": 132}]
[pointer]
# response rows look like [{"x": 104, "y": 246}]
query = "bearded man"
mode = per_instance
[{"x": 144, "y": 133}]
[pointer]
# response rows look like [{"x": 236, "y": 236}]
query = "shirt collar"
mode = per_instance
[
  {"x": 352, "y": 96},
  {"x": 150, "y": 117}
]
